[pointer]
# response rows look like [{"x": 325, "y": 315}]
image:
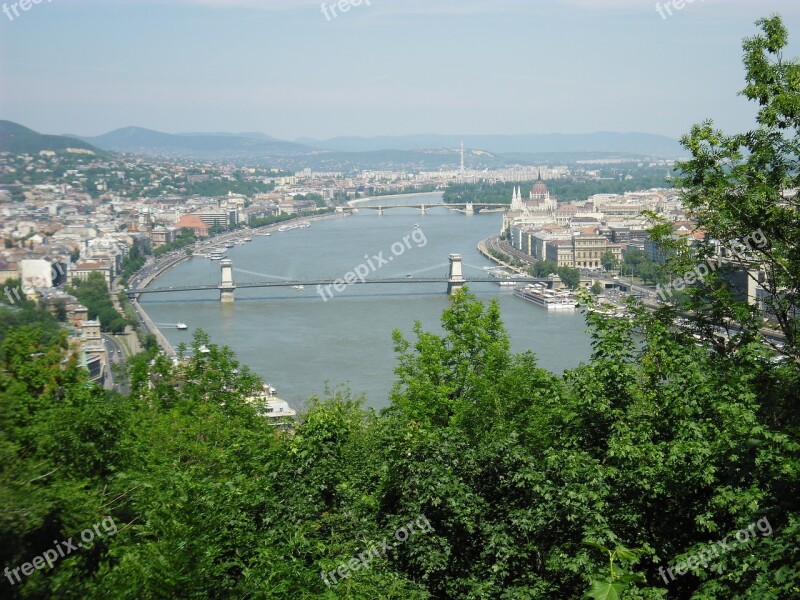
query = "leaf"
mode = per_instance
[{"x": 605, "y": 589}]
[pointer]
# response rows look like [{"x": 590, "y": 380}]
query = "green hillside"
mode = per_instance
[{"x": 21, "y": 140}]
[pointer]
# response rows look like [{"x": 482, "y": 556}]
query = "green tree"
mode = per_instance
[
  {"x": 609, "y": 261},
  {"x": 571, "y": 277}
]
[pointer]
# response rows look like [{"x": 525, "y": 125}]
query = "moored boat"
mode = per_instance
[{"x": 550, "y": 299}]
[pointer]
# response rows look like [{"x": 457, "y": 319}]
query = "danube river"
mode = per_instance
[{"x": 298, "y": 341}]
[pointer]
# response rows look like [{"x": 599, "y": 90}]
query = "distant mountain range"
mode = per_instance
[
  {"x": 137, "y": 139},
  {"x": 147, "y": 141},
  {"x": 628, "y": 143},
  {"x": 427, "y": 151},
  {"x": 21, "y": 140}
]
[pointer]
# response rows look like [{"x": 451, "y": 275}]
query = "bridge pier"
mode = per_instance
[
  {"x": 226, "y": 287},
  {"x": 469, "y": 209},
  {"x": 456, "y": 280},
  {"x": 423, "y": 210},
  {"x": 380, "y": 210}
]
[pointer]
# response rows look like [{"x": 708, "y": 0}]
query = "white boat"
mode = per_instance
[
  {"x": 181, "y": 326},
  {"x": 507, "y": 283},
  {"x": 248, "y": 239},
  {"x": 550, "y": 299},
  {"x": 298, "y": 287},
  {"x": 416, "y": 225},
  {"x": 216, "y": 255}
]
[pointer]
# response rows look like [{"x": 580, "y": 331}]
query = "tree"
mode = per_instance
[
  {"x": 597, "y": 288},
  {"x": 609, "y": 261},
  {"x": 570, "y": 277},
  {"x": 740, "y": 189}
]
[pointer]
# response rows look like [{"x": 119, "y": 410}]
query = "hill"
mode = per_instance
[
  {"x": 21, "y": 140},
  {"x": 147, "y": 141}
]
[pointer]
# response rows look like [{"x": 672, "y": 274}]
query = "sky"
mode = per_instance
[{"x": 291, "y": 69}]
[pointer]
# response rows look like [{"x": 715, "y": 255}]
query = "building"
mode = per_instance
[
  {"x": 161, "y": 236},
  {"x": 195, "y": 223},
  {"x": 82, "y": 270},
  {"x": 219, "y": 217},
  {"x": 561, "y": 253}
]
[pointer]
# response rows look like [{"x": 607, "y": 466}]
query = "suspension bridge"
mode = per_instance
[{"x": 454, "y": 278}]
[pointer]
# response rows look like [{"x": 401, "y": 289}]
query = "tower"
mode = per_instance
[
  {"x": 226, "y": 287},
  {"x": 456, "y": 280}
]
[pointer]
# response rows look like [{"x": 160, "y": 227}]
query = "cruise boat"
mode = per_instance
[
  {"x": 277, "y": 411},
  {"x": 217, "y": 255},
  {"x": 550, "y": 299}
]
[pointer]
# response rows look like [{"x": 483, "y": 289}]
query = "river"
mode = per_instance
[{"x": 299, "y": 342}]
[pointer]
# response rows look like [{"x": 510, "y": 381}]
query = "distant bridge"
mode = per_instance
[
  {"x": 465, "y": 207},
  {"x": 455, "y": 279}
]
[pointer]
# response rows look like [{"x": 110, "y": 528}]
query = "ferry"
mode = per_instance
[
  {"x": 277, "y": 411},
  {"x": 181, "y": 326},
  {"x": 546, "y": 298}
]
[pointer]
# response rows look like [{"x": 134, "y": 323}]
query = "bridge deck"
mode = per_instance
[{"x": 324, "y": 282}]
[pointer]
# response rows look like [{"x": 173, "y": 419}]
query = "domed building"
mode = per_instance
[{"x": 540, "y": 199}]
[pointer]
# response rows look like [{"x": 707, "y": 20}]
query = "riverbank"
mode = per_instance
[
  {"x": 483, "y": 248},
  {"x": 152, "y": 271},
  {"x": 389, "y": 196}
]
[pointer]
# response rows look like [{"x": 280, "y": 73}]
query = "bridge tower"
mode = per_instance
[
  {"x": 456, "y": 280},
  {"x": 469, "y": 209},
  {"x": 226, "y": 287}
]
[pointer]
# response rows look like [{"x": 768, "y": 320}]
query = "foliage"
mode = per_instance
[
  {"x": 638, "y": 263},
  {"x": 93, "y": 294},
  {"x": 134, "y": 261},
  {"x": 184, "y": 238},
  {"x": 609, "y": 261},
  {"x": 577, "y": 187}
]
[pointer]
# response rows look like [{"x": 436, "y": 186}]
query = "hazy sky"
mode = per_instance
[{"x": 391, "y": 67}]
